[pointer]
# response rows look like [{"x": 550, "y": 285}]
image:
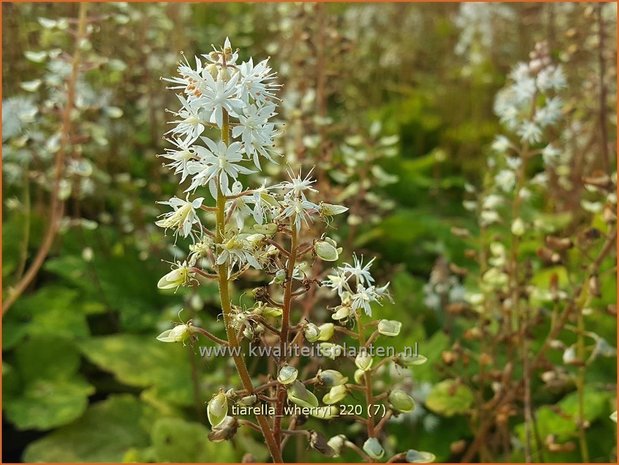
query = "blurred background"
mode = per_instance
[{"x": 394, "y": 105}]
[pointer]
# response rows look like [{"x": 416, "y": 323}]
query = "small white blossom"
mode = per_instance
[
  {"x": 182, "y": 217},
  {"x": 216, "y": 165}
]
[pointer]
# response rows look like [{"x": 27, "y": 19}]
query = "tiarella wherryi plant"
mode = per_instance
[
  {"x": 536, "y": 268},
  {"x": 224, "y": 130}
]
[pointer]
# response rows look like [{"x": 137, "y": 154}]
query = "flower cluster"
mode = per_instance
[
  {"x": 270, "y": 228},
  {"x": 527, "y": 106}
]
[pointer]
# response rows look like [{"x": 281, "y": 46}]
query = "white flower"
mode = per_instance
[
  {"x": 256, "y": 81},
  {"x": 215, "y": 165},
  {"x": 256, "y": 132},
  {"x": 190, "y": 125},
  {"x": 298, "y": 209},
  {"x": 550, "y": 113},
  {"x": 501, "y": 144},
  {"x": 360, "y": 271},
  {"x": 551, "y": 155},
  {"x": 505, "y": 180},
  {"x": 180, "y": 157},
  {"x": 551, "y": 78},
  {"x": 218, "y": 96},
  {"x": 492, "y": 202},
  {"x": 297, "y": 187},
  {"x": 530, "y": 132},
  {"x": 489, "y": 217},
  {"x": 237, "y": 250},
  {"x": 182, "y": 217},
  {"x": 262, "y": 201}
]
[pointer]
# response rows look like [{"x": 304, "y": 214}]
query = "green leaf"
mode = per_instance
[
  {"x": 143, "y": 362},
  {"x": 51, "y": 394},
  {"x": 450, "y": 398},
  {"x": 176, "y": 440},
  {"x": 107, "y": 430},
  {"x": 46, "y": 404},
  {"x": 46, "y": 357}
]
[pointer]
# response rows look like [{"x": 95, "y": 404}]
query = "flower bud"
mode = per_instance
[
  {"x": 415, "y": 456},
  {"x": 311, "y": 332},
  {"x": 331, "y": 378},
  {"x": 364, "y": 360},
  {"x": 359, "y": 376},
  {"x": 299, "y": 395},
  {"x": 335, "y": 394},
  {"x": 373, "y": 448},
  {"x": 337, "y": 443},
  {"x": 225, "y": 430},
  {"x": 325, "y": 331},
  {"x": 330, "y": 350},
  {"x": 325, "y": 412},
  {"x": 287, "y": 374},
  {"x": 328, "y": 209},
  {"x": 401, "y": 401},
  {"x": 180, "y": 333},
  {"x": 217, "y": 408},
  {"x": 518, "y": 227},
  {"x": 326, "y": 250},
  {"x": 389, "y": 327}
]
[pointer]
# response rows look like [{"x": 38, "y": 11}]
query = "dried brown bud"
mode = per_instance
[
  {"x": 448, "y": 357},
  {"x": 559, "y": 243},
  {"x": 457, "y": 447},
  {"x": 319, "y": 443}
]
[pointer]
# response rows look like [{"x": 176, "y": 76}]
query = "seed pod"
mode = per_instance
[
  {"x": 330, "y": 350},
  {"x": 287, "y": 374},
  {"x": 327, "y": 250},
  {"x": 299, "y": 395},
  {"x": 401, "y": 401},
  {"x": 217, "y": 409},
  {"x": 408, "y": 361},
  {"x": 389, "y": 328},
  {"x": 267, "y": 229},
  {"x": 311, "y": 332},
  {"x": 319, "y": 443},
  {"x": 325, "y": 412},
  {"x": 337, "y": 443},
  {"x": 247, "y": 400},
  {"x": 415, "y": 456},
  {"x": 326, "y": 331},
  {"x": 335, "y": 394},
  {"x": 364, "y": 360},
  {"x": 225, "y": 430},
  {"x": 331, "y": 378},
  {"x": 341, "y": 313},
  {"x": 373, "y": 448},
  {"x": 180, "y": 333}
]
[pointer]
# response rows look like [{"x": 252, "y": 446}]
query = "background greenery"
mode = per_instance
[{"x": 83, "y": 377}]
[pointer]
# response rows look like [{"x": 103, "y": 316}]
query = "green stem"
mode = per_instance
[
  {"x": 369, "y": 397},
  {"x": 226, "y": 307}
]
